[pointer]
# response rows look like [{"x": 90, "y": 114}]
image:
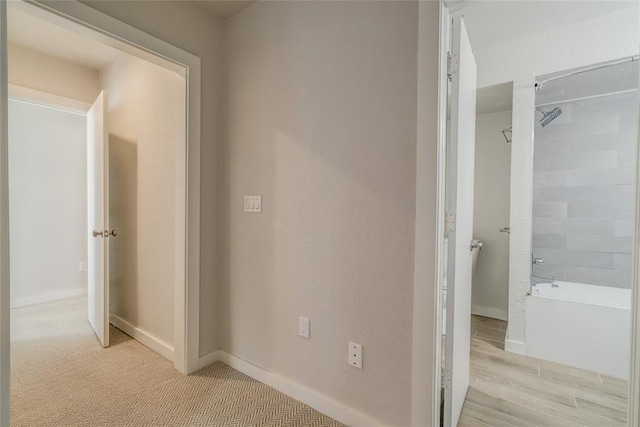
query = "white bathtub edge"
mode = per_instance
[{"x": 580, "y": 334}]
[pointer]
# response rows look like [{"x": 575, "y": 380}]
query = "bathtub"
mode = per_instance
[{"x": 580, "y": 325}]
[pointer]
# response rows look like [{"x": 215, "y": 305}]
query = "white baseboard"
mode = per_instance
[
  {"x": 209, "y": 359},
  {"x": 144, "y": 338},
  {"x": 512, "y": 346},
  {"x": 494, "y": 313},
  {"x": 48, "y": 297},
  {"x": 317, "y": 401}
]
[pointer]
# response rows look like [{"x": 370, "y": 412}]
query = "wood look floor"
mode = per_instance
[{"x": 507, "y": 389}]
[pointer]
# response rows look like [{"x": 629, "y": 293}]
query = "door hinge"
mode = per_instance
[
  {"x": 453, "y": 64},
  {"x": 449, "y": 222},
  {"x": 446, "y": 379}
]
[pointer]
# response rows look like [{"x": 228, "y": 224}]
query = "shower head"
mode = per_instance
[{"x": 549, "y": 116}]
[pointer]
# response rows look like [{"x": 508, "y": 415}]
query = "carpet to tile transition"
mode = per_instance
[{"x": 61, "y": 376}]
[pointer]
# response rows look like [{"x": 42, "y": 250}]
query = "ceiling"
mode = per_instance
[
  {"x": 57, "y": 42},
  {"x": 223, "y": 9},
  {"x": 492, "y": 23}
]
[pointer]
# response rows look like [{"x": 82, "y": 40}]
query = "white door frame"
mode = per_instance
[
  {"x": 430, "y": 214},
  {"x": 633, "y": 417},
  {"x": 100, "y": 27},
  {"x": 5, "y": 343}
]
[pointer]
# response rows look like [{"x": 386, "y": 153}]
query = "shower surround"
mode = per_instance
[{"x": 584, "y": 191}]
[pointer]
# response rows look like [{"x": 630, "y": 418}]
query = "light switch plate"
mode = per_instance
[
  {"x": 303, "y": 327},
  {"x": 253, "y": 204},
  {"x": 82, "y": 266},
  {"x": 355, "y": 355}
]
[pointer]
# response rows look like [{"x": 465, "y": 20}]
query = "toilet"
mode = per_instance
[{"x": 474, "y": 264}]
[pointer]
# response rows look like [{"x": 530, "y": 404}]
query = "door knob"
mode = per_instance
[
  {"x": 476, "y": 244},
  {"x": 105, "y": 233}
]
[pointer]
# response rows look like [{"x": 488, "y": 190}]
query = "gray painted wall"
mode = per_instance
[
  {"x": 583, "y": 191},
  {"x": 321, "y": 121}
]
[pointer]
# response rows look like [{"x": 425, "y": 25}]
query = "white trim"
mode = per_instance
[
  {"x": 45, "y": 99},
  {"x": 512, "y": 346},
  {"x": 494, "y": 313},
  {"x": 5, "y": 331},
  {"x": 98, "y": 26},
  {"x": 209, "y": 359},
  {"x": 320, "y": 402},
  {"x": 633, "y": 415},
  {"x": 430, "y": 221},
  {"x": 48, "y": 297},
  {"x": 162, "y": 348}
]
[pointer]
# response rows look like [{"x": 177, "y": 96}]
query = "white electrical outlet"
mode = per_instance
[
  {"x": 355, "y": 355},
  {"x": 253, "y": 204},
  {"x": 303, "y": 327},
  {"x": 82, "y": 266}
]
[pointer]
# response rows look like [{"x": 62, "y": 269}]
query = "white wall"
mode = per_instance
[
  {"x": 321, "y": 120},
  {"x": 609, "y": 37},
  {"x": 188, "y": 27},
  {"x": 490, "y": 214},
  {"x": 146, "y": 124},
  {"x": 35, "y": 70},
  {"x": 48, "y": 202}
]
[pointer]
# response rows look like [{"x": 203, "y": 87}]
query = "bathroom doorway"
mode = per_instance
[
  {"x": 576, "y": 318},
  {"x": 507, "y": 372},
  {"x": 491, "y": 210}
]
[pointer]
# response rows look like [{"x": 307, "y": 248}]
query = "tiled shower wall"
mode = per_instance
[{"x": 584, "y": 191}]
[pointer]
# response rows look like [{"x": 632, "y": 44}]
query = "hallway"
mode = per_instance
[{"x": 61, "y": 376}]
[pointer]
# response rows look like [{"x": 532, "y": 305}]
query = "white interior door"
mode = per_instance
[
  {"x": 98, "y": 217},
  {"x": 460, "y": 173},
  {"x": 4, "y": 223}
]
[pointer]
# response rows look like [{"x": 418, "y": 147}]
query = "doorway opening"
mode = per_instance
[
  {"x": 184, "y": 287},
  {"x": 555, "y": 179}
]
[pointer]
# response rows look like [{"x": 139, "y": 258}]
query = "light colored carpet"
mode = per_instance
[{"x": 61, "y": 376}]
